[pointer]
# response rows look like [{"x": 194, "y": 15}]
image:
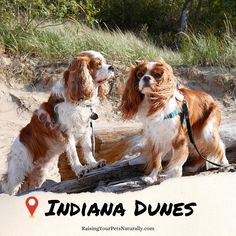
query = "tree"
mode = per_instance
[{"x": 185, "y": 15}]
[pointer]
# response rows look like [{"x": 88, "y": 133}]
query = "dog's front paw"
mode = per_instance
[
  {"x": 99, "y": 164},
  {"x": 102, "y": 163},
  {"x": 92, "y": 165},
  {"x": 149, "y": 179},
  {"x": 81, "y": 171}
]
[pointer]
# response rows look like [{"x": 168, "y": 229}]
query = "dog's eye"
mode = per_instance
[
  {"x": 157, "y": 75},
  {"x": 99, "y": 64},
  {"x": 140, "y": 74}
]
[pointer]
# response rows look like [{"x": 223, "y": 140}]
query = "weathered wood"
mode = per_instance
[
  {"x": 119, "y": 177},
  {"x": 231, "y": 153},
  {"x": 112, "y": 143},
  {"x": 89, "y": 182},
  {"x": 131, "y": 185},
  {"x": 135, "y": 184}
]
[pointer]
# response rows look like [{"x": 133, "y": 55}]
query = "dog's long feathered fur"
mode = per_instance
[
  {"x": 152, "y": 94},
  {"x": 59, "y": 124}
]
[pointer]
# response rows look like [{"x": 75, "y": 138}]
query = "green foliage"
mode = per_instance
[
  {"x": 212, "y": 39},
  {"x": 199, "y": 49},
  {"x": 61, "y": 42},
  {"x": 90, "y": 11},
  {"x": 162, "y": 18},
  {"x": 158, "y": 17},
  {"x": 27, "y": 11}
]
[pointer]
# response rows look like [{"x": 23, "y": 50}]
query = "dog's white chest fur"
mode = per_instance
[
  {"x": 157, "y": 129},
  {"x": 75, "y": 118}
]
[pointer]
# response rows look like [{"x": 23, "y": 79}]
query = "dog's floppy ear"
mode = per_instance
[
  {"x": 78, "y": 81},
  {"x": 103, "y": 90},
  {"x": 131, "y": 97}
]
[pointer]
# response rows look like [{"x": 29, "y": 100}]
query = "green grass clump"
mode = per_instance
[
  {"x": 61, "y": 42},
  {"x": 199, "y": 49},
  {"x": 64, "y": 41}
]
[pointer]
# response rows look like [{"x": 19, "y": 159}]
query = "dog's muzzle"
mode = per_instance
[
  {"x": 146, "y": 81},
  {"x": 111, "y": 68}
]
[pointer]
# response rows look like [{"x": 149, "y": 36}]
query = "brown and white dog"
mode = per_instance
[
  {"x": 152, "y": 94},
  {"x": 59, "y": 124}
]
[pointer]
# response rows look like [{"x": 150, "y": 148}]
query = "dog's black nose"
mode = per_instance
[
  {"x": 111, "y": 68},
  {"x": 146, "y": 78}
]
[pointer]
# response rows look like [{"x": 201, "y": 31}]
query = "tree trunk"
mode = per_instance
[{"x": 184, "y": 15}]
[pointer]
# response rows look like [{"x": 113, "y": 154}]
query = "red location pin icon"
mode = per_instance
[{"x": 31, "y": 203}]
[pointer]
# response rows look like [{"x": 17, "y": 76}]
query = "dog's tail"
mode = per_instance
[
  {"x": 4, "y": 176},
  {"x": 18, "y": 164},
  {"x": 4, "y": 183}
]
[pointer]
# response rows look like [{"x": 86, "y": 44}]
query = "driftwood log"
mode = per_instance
[
  {"x": 92, "y": 181},
  {"x": 112, "y": 144},
  {"x": 121, "y": 176},
  {"x": 118, "y": 178}
]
